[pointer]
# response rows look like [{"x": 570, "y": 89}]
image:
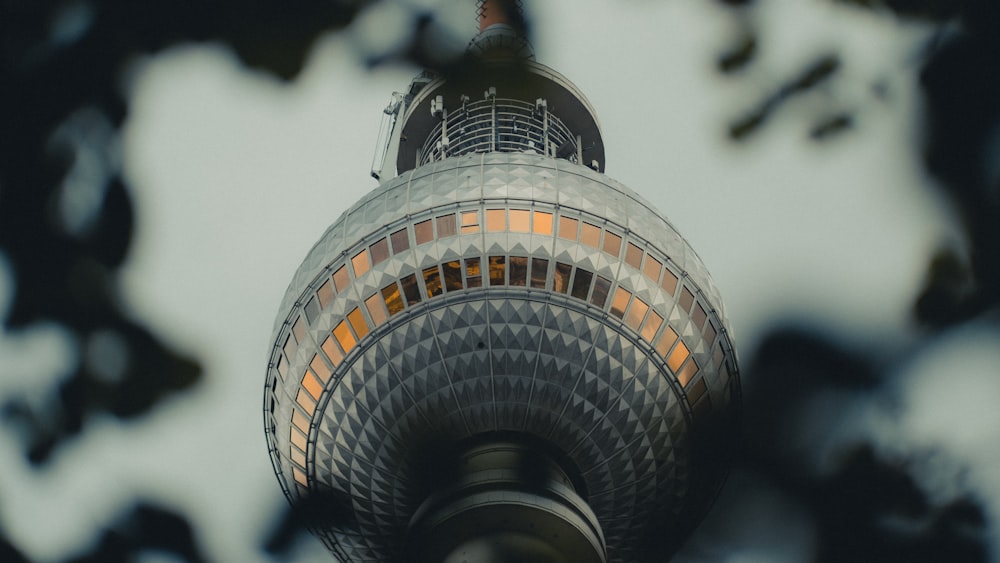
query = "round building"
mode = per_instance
[{"x": 501, "y": 354}]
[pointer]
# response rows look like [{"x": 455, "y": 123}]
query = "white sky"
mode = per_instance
[{"x": 235, "y": 175}]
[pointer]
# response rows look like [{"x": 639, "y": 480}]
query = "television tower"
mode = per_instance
[{"x": 500, "y": 354}]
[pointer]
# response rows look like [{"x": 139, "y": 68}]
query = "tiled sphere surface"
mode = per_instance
[{"x": 500, "y": 292}]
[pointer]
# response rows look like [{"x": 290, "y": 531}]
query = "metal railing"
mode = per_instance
[{"x": 499, "y": 125}]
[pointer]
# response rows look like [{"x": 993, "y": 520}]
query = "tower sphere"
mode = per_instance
[{"x": 501, "y": 354}]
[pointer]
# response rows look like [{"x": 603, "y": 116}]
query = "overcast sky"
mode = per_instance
[{"x": 236, "y": 174}]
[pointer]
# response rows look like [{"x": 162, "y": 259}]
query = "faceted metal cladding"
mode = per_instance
[{"x": 507, "y": 294}]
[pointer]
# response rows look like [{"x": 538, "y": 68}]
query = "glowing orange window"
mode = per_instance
[
  {"x": 297, "y": 437},
  {"x": 678, "y": 356},
  {"x": 360, "y": 263},
  {"x": 344, "y": 336},
  {"x": 358, "y": 322},
  {"x": 666, "y": 340},
  {"x": 688, "y": 372},
  {"x": 636, "y": 313},
  {"x": 298, "y": 457},
  {"x": 318, "y": 366},
  {"x": 305, "y": 401},
  {"x": 376, "y": 309},
  {"x": 669, "y": 283},
  {"x": 300, "y": 421},
  {"x": 590, "y": 235},
  {"x": 542, "y": 224},
  {"x": 652, "y": 268},
  {"x": 299, "y": 476},
  {"x": 332, "y": 352},
  {"x": 470, "y": 222},
  {"x": 653, "y": 322},
  {"x": 519, "y": 220},
  {"x": 620, "y": 302},
  {"x": 633, "y": 256},
  {"x": 568, "y": 228},
  {"x": 311, "y": 384},
  {"x": 612, "y": 243},
  {"x": 496, "y": 220}
]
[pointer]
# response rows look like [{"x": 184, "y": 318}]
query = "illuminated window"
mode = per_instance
[
  {"x": 344, "y": 337},
  {"x": 633, "y": 256},
  {"x": 678, "y": 356},
  {"x": 620, "y": 302},
  {"x": 299, "y": 476},
  {"x": 305, "y": 401},
  {"x": 666, "y": 340},
  {"x": 325, "y": 294},
  {"x": 581, "y": 283},
  {"x": 318, "y": 366},
  {"x": 496, "y": 220},
  {"x": 452, "y": 275},
  {"x": 380, "y": 251},
  {"x": 311, "y": 384},
  {"x": 376, "y": 310},
  {"x": 688, "y": 372},
  {"x": 519, "y": 220},
  {"x": 560, "y": 282},
  {"x": 340, "y": 279},
  {"x": 567, "y": 228},
  {"x": 423, "y": 232},
  {"x": 539, "y": 272},
  {"x": 282, "y": 367},
  {"x": 498, "y": 265},
  {"x": 669, "y": 283},
  {"x": 470, "y": 222},
  {"x": 652, "y": 269},
  {"x": 600, "y": 295},
  {"x": 543, "y": 223},
  {"x": 590, "y": 235},
  {"x": 699, "y": 316},
  {"x": 289, "y": 347},
  {"x": 473, "y": 274},
  {"x": 687, "y": 299},
  {"x": 636, "y": 313},
  {"x": 391, "y": 297},
  {"x": 300, "y": 421},
  {"x": 653, "y": 322},
  {"x": 299, "y": 330},
  {"x": 400, "y": 241},
  {"x": 298, "y": 457},
  {"x": 358, "y": 322},
  {"x": 446, "y": 226},
  {"x": 360, "y": 264},
  {"x": 298, "y": 438},
  {"x": 612, "y": 243},
  {"x": 332, "y": 352},
  {"x": 432, "y": 281},
  {"x": 410, "y": 289},
  {"x": 311, "y": 310}
]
